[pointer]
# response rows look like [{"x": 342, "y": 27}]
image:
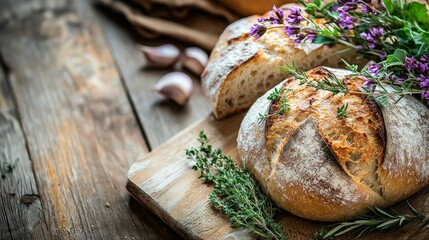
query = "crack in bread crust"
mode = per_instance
[{"x": 355, "y": 141}]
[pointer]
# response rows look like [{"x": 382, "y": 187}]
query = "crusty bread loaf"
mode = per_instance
[
  {"x": 320, "y": 167},
  {"x": 241, "y": 69}
]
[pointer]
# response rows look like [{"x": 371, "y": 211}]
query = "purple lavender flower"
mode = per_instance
[
  {"x": 343, "y": 2},
  {"x": 424, "y": 80},
  {"x": 311, "y": 35},
  {"x": 257, "y": 30},
  {"x": 345, "y": 21},
  {"x": 373, "y": 36},
  {"x": 424, "y": 84},
  {"x": 277, "y": 16},
  {"x": 294, "y": 16},
  {"x": 334, "y": 7},
  {"x": 423, "y": 67},
  {"x": 262, "y": 20},
  {"x": 291, "y": 30},
  {"x": 299, "y": 38},
  {"x": 424, "y": 59},
  {"x": 374, "y": 68},
  {"x": 383, "y": 55},
  {"x": 411, "y": 63},
  {"x": 376, "y": 32},
  {"x": 369, "y": 83},
  {"x": 343, "y": 9},
  {"x": 365, "y": 8},
  {"x": 397, "y": 79},
  {"x": 425, "y": 95},
  {"x": 351, "y": 6}
]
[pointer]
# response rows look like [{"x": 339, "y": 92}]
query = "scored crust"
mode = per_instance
[{"x": 323, "y": 168}]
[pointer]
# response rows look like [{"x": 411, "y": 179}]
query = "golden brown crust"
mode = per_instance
[{"x": 318, "y": 166}]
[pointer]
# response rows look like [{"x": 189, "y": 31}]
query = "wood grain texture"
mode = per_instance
[
  {"x": 164, "y": 182},
  {"x": 161, "y": 118},
  {"x": 21, "y": 210},
  {"x": 82, "y": 134}
]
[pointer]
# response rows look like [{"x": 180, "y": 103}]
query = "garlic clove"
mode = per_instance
[
  {"x": 176, "y": 86},
  {"x": 160, "y": 56},
  {"x": 195, "y": 60}
]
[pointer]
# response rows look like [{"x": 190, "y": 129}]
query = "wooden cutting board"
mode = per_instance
[{"x": 164, "y": 182}]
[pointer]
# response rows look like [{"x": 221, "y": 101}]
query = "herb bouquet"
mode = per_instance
[{"x": 394, "y": 35}]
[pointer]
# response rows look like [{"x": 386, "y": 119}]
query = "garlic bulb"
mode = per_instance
[
  {"x": 160, "y": 56},
  {"x": 176, "y": 86},
  {"x": 195, "y": 60}
]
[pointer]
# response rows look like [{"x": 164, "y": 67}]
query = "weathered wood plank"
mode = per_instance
[
  {"x": 161, "y": 119},
  {"x": 21, "y": 209},
  {"x": 81, "y": 131}
]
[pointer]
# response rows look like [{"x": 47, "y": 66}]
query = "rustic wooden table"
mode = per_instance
[{"x": 76, "y": 110}]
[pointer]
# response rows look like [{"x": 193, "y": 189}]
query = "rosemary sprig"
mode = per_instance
[
  {"x": 342, "y": 111},
  {"x": 235, "y": 193},
  {"x": 274, "y": 96},
  {"x": 376, "y": 220}
]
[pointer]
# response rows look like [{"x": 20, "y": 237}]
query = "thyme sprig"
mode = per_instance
[
  {"x": 376, "y": 220},
  {"x": 235, "y": 192}
]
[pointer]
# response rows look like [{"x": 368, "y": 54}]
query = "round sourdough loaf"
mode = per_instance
[{"x": 320, "y": 167}]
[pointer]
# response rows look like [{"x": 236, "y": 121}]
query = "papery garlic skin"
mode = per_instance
[
  {"x": 176, "y": 86},
  {"x": 161, "y": 56},
  {"x": 195, "y": 60}
]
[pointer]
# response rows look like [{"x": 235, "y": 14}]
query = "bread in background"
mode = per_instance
[{"x": 241, "y": 68}]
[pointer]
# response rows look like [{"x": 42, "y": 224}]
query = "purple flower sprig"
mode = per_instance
[
  {"x": 393, "y": 36},
  {"x": 290, "y": 23},
  {"x": 407, "y": 75},
  {"x": 340, "y": 23},
  {"x": 373, "y": 37},
  {"x": 257, "y": 30}
]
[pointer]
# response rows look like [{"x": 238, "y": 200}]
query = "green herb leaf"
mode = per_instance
[
  {"x": 389, "y": 6},
  {"x": 274, "y": 94},
  {"x": 317, "y": 2},
  {"x": 397, "y": 57},
  {"x": 342, "y": 111},
  {"x": 323, "y": 40},
  {"x": 376, "y": 219},
  {"x": 415, "y": 11},
  {"x": 383, "y": 100}
]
